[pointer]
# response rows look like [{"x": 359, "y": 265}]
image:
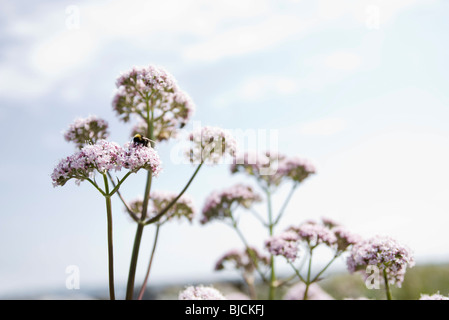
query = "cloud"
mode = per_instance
[
  {"x": 342, "y": 60},
  {"x": 323, "y": 127}
]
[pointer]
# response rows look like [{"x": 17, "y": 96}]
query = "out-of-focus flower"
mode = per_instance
[
  {"x": 383, "y": 252},
  {"x": 284, "y": 244},
  {"x": 85, "y": 131},
  {"x": 159, "y": 200},
  {"x": 200, "y": 293},
  {"x": 218, "y": 203},
  {"x": 315, "y": 292},
  {"x": 102, "y": 157},
  {"x": 153, "y": 94},
  {"x": 435, "y": 296},
  {"x": 345, "y": 238},
  {"x": 314, "y": 234},
  {"x": 271, "y": 168},
  {"x": 245, "y": 260},
  {"x": 210, "y": 145}
]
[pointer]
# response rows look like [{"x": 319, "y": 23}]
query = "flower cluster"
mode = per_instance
[
  {"x": 383, "y": 252},
  {"x": 272, "y": 168},
  {"x": 210, "y": 145},
  {"x": 153, "y": 94},
  {"x": 85, "y": 131},
  {"x": 314, "y": 234},
  {"x": 200, "y": 293},
  {"x": 218, "y": 203},
  {"x": 159, "y": 200},
  {"x": 102, "y": 157},
  {"x": 246, "y": 260},
  {"x": 315, "y": 292},
  {"x": 284, "y": 244}
]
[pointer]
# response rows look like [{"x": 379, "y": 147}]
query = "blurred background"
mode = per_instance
[{"x": 357, "y": 87}]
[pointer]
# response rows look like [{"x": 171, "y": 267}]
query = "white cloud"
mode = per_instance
[
  {"x": 323, "y": 127},
  {"x": 342, "y": 60}
]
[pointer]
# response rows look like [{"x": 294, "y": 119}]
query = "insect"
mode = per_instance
[{"x": 140, "y": 139}]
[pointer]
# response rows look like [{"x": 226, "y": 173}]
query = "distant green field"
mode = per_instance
[{"x": 428, "y": 279}]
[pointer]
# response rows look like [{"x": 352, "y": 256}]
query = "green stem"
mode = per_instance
[
  {"x": 110, "y": 240},
  {"x": 144, "y": 285},
  {"x": 128, "y": 209},
  {"x": 272, "y": 288},
  {"x": 324, "y": 269},
  {"x": 287, "y": 200},
  {"x": 387, "y": 286},
  {"x": 306, "y": 291},
  {"x": 119, "y": 183},
  {"x": 297, "y": 272}
]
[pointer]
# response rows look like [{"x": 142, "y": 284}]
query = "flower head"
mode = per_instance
[
  {"x": 271, "y": 168},
  {"x": 85, "y": 131},
  {"x": 315, "y": 292},
  {"x": 284, "y": 244},
  {"x": 218, "y": 203},
  {"x": 245, "y": 260},
  {"x": 159, "y": 200},
  {"x": 314, "y": 234},
  {"x": 210, "y": 145},
  {"x": 137, "y": 156},
  {"x": 435, "y": 296},
  {"x": 102, "y": 156},
  {"x": 383, "y": 252},
  {"x": 200, "y": 293},
  {"x": 145, "y": 90}
]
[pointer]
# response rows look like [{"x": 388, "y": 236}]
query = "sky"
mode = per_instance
[{"x": 357, "y": 87}]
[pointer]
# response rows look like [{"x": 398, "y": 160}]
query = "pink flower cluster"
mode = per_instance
[
  {"x": 210, "y": 145},
  {"x": 86, "y": 131},
  {"x": 435, "y": 296},
  {"x": 152, "y": 90},
  {"x": 218, "y": 203},
  {"x": 284, "y": 244},
  {"x": 311, "y": 234},
  {"x": 315, "y": 292},
  {"x": 200, "y": 293},
  {"x": 245, "y": 260},
  {"x": 273, "y": 168},
  {"x": 159, "y": 200},
  {"x": 383, "y": 252},
  {"x": 102, "y": 157}
]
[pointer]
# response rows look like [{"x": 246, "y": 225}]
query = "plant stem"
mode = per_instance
[
  {"x": 271, "y": 292},
  {"x": 325, "y": 268},
  {"x": 287, "y": 200},
  {"x": 306, "y": 291},
  {"x": 142, "y": 289},
  {"x": 110, "y": 240},
  {"x": 137, "y": 240},
  {"x": 387, "y": 286}
]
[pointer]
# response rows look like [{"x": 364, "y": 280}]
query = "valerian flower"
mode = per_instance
[
  {"x": 210, "y": 145},
  {"x": 435, "y": 296},
  {"x": 285, "y": 244},
  {"x": 153, "y": 94},
  {"x": 102, "y": 157},
  {"x": 383, "y": 252},
  {"x": 218, "y": 204},
  {"x": 85, "y": 131},
  {"x": 315, "y": 292},
  {"x": 245, "y": 260},
  {"x": 271, "y": 168},
  {"x": 159, "y": 200},
  {"x": 200, "y": 293}
]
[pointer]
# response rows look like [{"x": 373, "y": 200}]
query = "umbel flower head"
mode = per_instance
[
  {"x": 285, "y": 244},
  {"x": 435, "y": 296},
  {"x": 245, "y": 260},
  {"x": 218, "y": 204},
  {"x": 210, "y": 145},
  {"x": 271, "y": 168},
  {"x": 85, "y": 131},
  {"x": 200, "y": 293},
  {"x": 384, "y": 253},
  {"x": 152, "y": 94},
  {"x": 159, "y": 200},
  {"x": 102, "y": 157}
]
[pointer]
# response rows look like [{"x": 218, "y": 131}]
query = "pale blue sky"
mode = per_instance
[{"x": 359, "y": 87}]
